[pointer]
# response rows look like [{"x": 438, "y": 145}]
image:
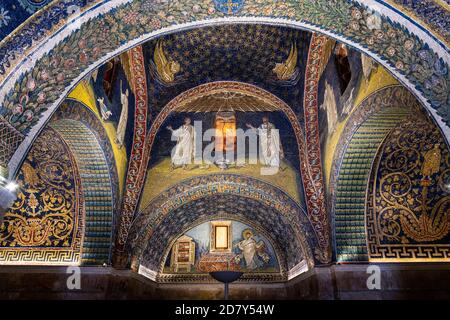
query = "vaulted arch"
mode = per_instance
[
  {"x": 352, "y": 164},
  {"x": 353, "y": 23},
  {"x": 378, "y": 182},
  {"x": 266, "y": 205},
  {"x": 64, "y": 211},
  {"x": 319, "y": 222},
  {"x": 272, "y": 235}
]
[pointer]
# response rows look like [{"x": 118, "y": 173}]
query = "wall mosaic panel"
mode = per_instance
[
  {"x": 417, "y": 60},
  {"x": 45, "y": 224},
  {"x": 408, "y": 202},
  {"x": 354, "y": 173},
  {"x": 383, "y": 99}
]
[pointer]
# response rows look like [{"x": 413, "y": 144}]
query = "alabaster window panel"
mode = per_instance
[{"x": 221, "y": 236}]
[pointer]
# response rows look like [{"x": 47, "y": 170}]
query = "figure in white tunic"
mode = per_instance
[
  {"x": 251, "y": 250},
  {"x": 105, "y": 112},
  {"x": 184, "y": 150},
  {"x": 122, "y": 126},
  {"x": 329, "y": 105},
  {"x": 271, "y": 151}
]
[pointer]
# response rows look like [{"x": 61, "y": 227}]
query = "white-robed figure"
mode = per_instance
[
  {"x": 271, "y": 151},
  {"x": 122, "y": 126},
  {"x": 105, "y": 112},
  {"x": 184, "y": 150},
  {"x": 251, "y": 250}
]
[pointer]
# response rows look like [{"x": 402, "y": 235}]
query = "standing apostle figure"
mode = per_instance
[
  {"x": 122, "y": 125},
  {"x": 271, "y": 150},
  {"x": 184, "y": 150}
]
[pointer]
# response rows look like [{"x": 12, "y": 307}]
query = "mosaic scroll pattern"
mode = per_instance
[
  {"x": 97, "y": 191},
  {"x": 408, "y": 203}
]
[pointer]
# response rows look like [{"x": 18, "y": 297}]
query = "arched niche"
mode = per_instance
[
  {"x": 387, "y": 205},
  {"x": 273, "y": 269},
  {"x": 390, "y": 104},
  {"x": 247, "y": 198}
]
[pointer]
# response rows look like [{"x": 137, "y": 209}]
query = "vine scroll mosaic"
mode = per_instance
[{"x": 45, "y": 223}]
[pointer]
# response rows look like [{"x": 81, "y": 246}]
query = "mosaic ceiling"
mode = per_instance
[
  {"x": 246, "y": 53},
  {"x": 351, "y": 22},
  {"x": 273, "y": 58}
]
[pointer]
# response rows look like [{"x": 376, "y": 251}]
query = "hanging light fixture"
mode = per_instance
[{"x": 225, "y": 124}]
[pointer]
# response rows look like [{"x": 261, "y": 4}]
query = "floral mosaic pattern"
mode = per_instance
[
  {"x": 4, "y": 17},
  {"x": 429, "y": 11},
  {"x": 36, "y": 25},
  {"x": 49, "y": 18}
]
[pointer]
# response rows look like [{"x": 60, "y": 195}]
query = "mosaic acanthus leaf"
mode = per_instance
[{"x": 47, "y": 214}]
